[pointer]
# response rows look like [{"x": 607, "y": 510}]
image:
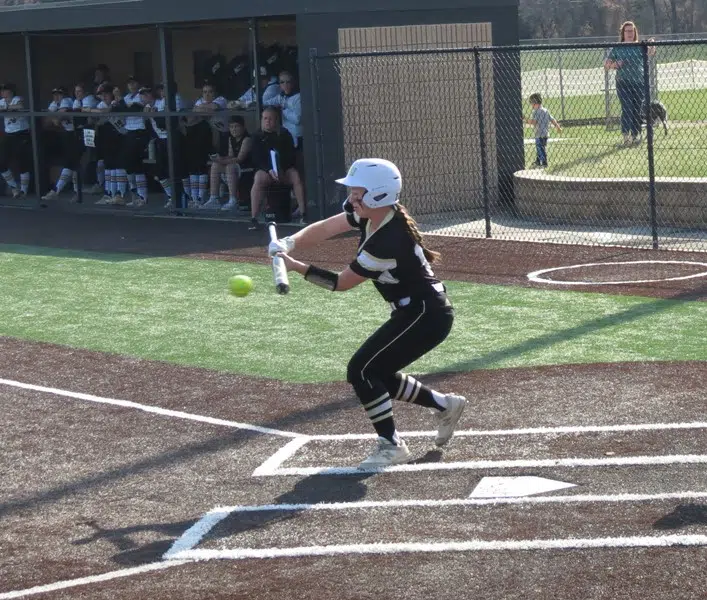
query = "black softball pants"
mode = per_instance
[
  {"x": 135, "y": 150},
  {"x": 18, "y": 147},
  {"x": 374, "y": 370}
]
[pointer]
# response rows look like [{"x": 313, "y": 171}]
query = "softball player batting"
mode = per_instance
[{"x": 392, "y": 254}]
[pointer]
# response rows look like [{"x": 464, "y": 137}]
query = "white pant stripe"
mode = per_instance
[
  {"x": 376, "y": 401},
  {"x": 385, "y": 407}
]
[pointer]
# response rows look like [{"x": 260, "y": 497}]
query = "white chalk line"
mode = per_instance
[
  {"x": 536, "y": 276},
  {"x": 529, "y": 500},
  {"x": 61, "y": 585},
  {"x": 149, "y": 409},
  {"x": 192, "y": 537},
  {"x": 525, "y": 431},
  {"x": 467, "y": 546},
  {"x": 622, "y": 461},
  {"x": 283, "y": 454}
]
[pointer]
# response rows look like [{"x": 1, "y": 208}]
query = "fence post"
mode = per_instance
[
  {"x": 33, "y": 100},
  {"x": 607, "y": 100},
  {"x": 649, "y": 138},
  {"x": 316, "y": 134},
  {"x": 562, "y": 87},
  {"x": 482, "y": 142},
  {"x": 167, "y": 65}
]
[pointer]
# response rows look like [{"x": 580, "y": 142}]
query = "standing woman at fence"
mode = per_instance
[{"x": 627, "y": 61}]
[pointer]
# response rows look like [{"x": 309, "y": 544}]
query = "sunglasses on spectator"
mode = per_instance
[{"x": 285, "y": 81}]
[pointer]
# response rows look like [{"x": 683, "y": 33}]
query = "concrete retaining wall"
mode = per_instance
[{"x": 681, "y": 203}]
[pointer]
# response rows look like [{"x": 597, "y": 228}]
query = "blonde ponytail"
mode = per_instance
[{"x": 402, "y": 213}]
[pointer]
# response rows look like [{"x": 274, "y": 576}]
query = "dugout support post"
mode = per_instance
[
  {"x": 36, "y": 122},
  {"x": 316, "y": 126},
  {"x": 167, "y": 64}
]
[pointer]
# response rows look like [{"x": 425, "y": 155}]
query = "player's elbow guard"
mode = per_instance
[{"x": 321, "y": 277}]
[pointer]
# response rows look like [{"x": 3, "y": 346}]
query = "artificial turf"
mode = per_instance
[{"x": 180, "y": 311}]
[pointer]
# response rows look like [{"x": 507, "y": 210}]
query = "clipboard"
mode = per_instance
[{"x": 274, "y": 162}]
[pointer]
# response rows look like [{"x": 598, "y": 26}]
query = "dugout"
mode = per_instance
[{"x": 60, "y": 42}]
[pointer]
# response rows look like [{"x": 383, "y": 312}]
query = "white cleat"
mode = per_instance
[
  {"x": 449, "y": 418},
  {"x": 211, "y": 204},
  {"x": 386, "y": 454}
]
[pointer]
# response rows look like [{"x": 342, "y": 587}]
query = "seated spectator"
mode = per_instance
[
  {"x": 272, "y": 136},
  {"x": 70, "y": 149},
  {"x": 234, "y": 155},
  {"x": 269, "y": 86},
  {"x": 16, "y": 144},
  {"x": 291, "y": 106}
]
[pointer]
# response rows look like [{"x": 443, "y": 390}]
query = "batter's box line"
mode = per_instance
[
  {"x": 184, "y": 548},
  {"x": 273, "y": 465},
  {"x": 165, "y": 412},
  {"x": 666, "y": 541}
]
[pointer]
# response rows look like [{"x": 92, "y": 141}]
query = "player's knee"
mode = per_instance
[
  {"x": 261, "y": 180},
  {"x": 354, "y": 371},
  {"x": 293, "y": 176}
]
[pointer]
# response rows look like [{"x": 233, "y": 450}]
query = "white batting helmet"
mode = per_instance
[{"x": 380, "y": 177}]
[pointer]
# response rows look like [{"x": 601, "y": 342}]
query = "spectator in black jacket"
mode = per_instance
[{"x": 272, "y": 136}]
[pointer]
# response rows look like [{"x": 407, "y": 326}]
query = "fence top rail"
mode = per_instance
[{"x": 509, "y": 49}]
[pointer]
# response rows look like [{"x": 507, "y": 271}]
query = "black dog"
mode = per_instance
[{"x": 658, "y": 113}]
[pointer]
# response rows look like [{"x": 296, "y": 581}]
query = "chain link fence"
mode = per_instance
[{"x": 613, "y": 155}]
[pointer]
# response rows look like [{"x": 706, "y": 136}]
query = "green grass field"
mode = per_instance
[
  {"x": 179, "y": 311},
  {"x": 533, "y": 60},
  {"x": 683, "y": 105},
  {"x": 591, "y": 152}
]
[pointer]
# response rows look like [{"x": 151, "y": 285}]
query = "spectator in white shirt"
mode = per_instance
[{"x": 16, "y": 144}]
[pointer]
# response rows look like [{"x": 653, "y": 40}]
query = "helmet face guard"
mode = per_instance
[{"x": 379, "y": 177}]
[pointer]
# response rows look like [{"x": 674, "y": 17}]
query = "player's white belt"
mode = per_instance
[{"x": 437, "y": 287}]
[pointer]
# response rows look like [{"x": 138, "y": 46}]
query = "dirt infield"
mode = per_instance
[{"x": 108, "y": 481}]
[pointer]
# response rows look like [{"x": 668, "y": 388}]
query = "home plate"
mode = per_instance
[{"x": 511, "y": 487}]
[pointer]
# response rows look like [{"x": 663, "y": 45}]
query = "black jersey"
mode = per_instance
[{"x": 392, "y": 259}]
